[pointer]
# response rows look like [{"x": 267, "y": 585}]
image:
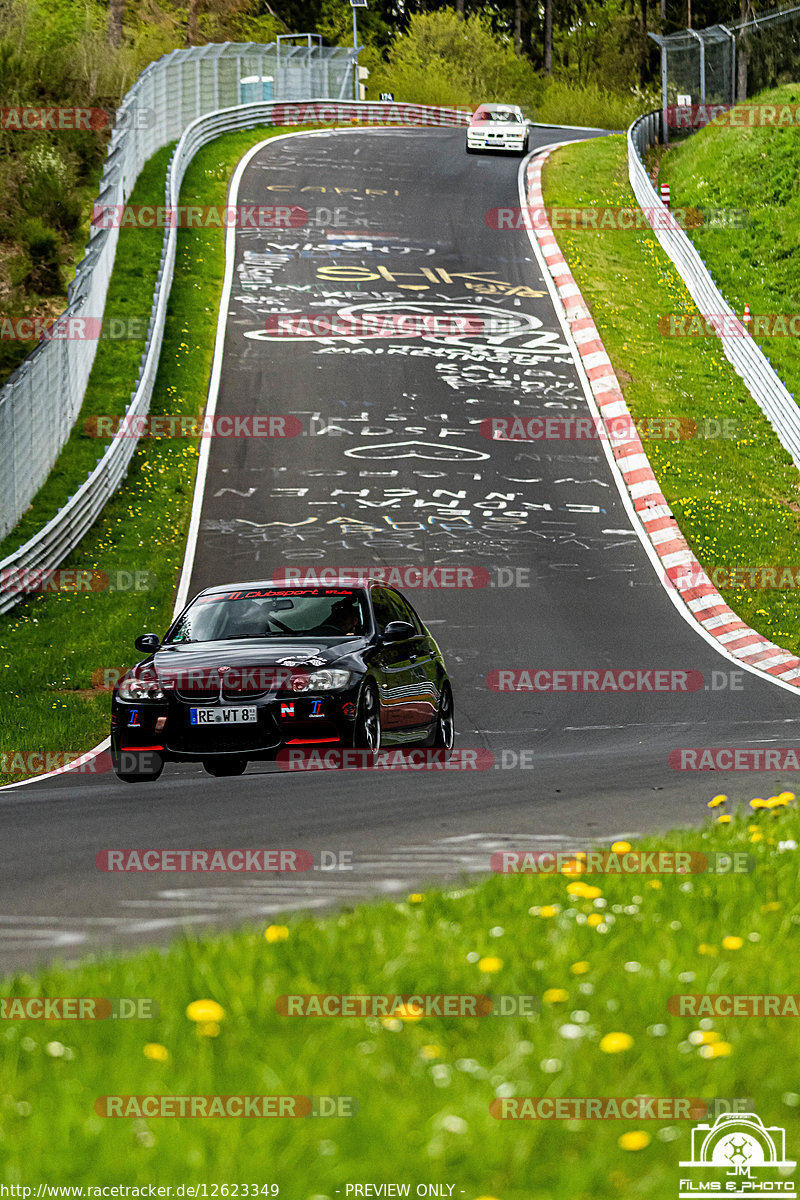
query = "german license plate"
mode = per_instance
[{"x": 223, "y": 716}]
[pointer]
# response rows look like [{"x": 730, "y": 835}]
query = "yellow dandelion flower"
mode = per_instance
[
  {"x": 579, "y": 968},
  {"x": 156, "y": 1052},
  {"x": 620, "y": 847},
  {"x": 732, "y": 942},
  {"x": 490, "y": 965},
  {"x": 615, "y": 1043},
  {"x": 585, "y": 890},
  {"x": 594, "y": 920},
  {"x": 431, "y": 1051},
  {"x": 716, "y": 801},
  {"x": 416, "y": 898},
  {"x": 408, "y": 1012},
  {"x": 276, "y": 933},
  {"x": 787, "y": 796},
  {"x": 208, "y": 1029},
  {"x": 655, "y": 884},
  {"x": 555, "y": 996},
  {"x": 205, "y": 1010},
  {"x": 548, "y": 910},
  {"x": 704, "y": 948},
  {"x": 636, "y": 1139},
  {"x": 723, "y": 820},
  {"x": 718, "y": 1050},
  {"x": 758, "y": 802},
  {"x": 757, "y": 836}
]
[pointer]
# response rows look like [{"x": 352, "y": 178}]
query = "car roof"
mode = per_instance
[{"x": 499, "y": 107}]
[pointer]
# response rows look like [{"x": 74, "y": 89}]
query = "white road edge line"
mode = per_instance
[{"x": 677, "y": 602}]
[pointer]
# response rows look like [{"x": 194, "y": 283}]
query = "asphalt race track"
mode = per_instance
[{"x": 391, "y": 468}]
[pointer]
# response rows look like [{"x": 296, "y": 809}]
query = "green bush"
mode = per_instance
[
  {"x": 564, "y": 103},
  {"x": 42, "y": 247},
  {"x": 443, "y": 59},
  {"x": 47, "y": 187}
]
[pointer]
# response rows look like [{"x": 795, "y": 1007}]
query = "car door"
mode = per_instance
[
  {"x": 396, "y": 668},
  {"x": 423, "y": 663}
]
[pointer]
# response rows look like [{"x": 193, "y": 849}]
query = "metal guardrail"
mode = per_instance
[
  {"x": 41, "y": 400},
  {"x": 747, "y": 359},
  {"x": 48, "y": 548}
]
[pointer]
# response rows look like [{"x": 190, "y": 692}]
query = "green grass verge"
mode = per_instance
[
  {"x": 52, "y": 645},
  {"x": 756, "y": 170},
  {"x": 736, "y": 501},
  {"x": 602, "y": 962}
]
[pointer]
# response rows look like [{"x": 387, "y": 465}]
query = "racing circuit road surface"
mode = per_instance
[{"x": 391, "y": 468}]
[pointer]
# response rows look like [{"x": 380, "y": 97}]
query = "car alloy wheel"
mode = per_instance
[
  {"x": 445, "y": 721},
  {"x": 368, "y": 720}
]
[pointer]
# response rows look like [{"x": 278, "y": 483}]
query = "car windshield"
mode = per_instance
[
  {"x": 273, "y": 613},
  {"x": 488, "y": 114}
]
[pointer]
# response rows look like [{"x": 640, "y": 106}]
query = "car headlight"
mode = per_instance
[
  {"x": 320, "y": 681},
  {"x": 133, "y": 688}
]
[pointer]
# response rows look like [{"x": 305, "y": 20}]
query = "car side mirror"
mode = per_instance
[
  {"x": 398, "y": 631},
  {"x": 149, "y": 642}
]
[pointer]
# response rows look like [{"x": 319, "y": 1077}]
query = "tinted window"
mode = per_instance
[
  {"x": 390, "y": 606},
  {"x": 406, "y": 611},
  {"x": 272, "y": 613}
]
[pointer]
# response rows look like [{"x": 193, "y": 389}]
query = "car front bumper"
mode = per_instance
[{"x": 295, "y": 719}]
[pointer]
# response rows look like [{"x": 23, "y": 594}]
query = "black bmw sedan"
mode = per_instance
[{"x": 248, "y": 670}]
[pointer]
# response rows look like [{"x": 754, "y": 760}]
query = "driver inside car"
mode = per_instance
[{"x": 246, "y": 620}]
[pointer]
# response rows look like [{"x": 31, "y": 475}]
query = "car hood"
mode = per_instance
[{"x": 178, "y": 658}]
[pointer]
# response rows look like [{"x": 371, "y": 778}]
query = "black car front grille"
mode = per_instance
[{"x": 211, "y": 695}]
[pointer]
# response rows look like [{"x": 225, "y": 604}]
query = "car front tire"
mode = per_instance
[
  {"x": 367, "y": 731},
  {"x": 147, "y": 771},
  {"x": 445, "y": 732}
]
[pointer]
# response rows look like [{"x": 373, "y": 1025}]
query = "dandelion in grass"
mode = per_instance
[
  {"x": 616, "y": 1043},
  {"x": 732, "y": 942},
  {"x": 276, "y": 933},
  {"x": 620, "y": 847},
  {"x": 579, "y": 968},
  {"x": 635, "y": 1139},
  {"x": 716, "y": 801},
  {"x": 555, "y": 996},
  {"x": 408, "y": 1012},
  {"x": 205, "y": 1012},
  {"x": 155, "y": 1052},
  {"x": 490, "y": 965},
  {"x": 717, "y": 1050}
]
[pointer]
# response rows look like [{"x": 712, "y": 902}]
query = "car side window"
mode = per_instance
[
  {"x": 381, "y": 608},
  {"x": 404, "y": 611}
]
